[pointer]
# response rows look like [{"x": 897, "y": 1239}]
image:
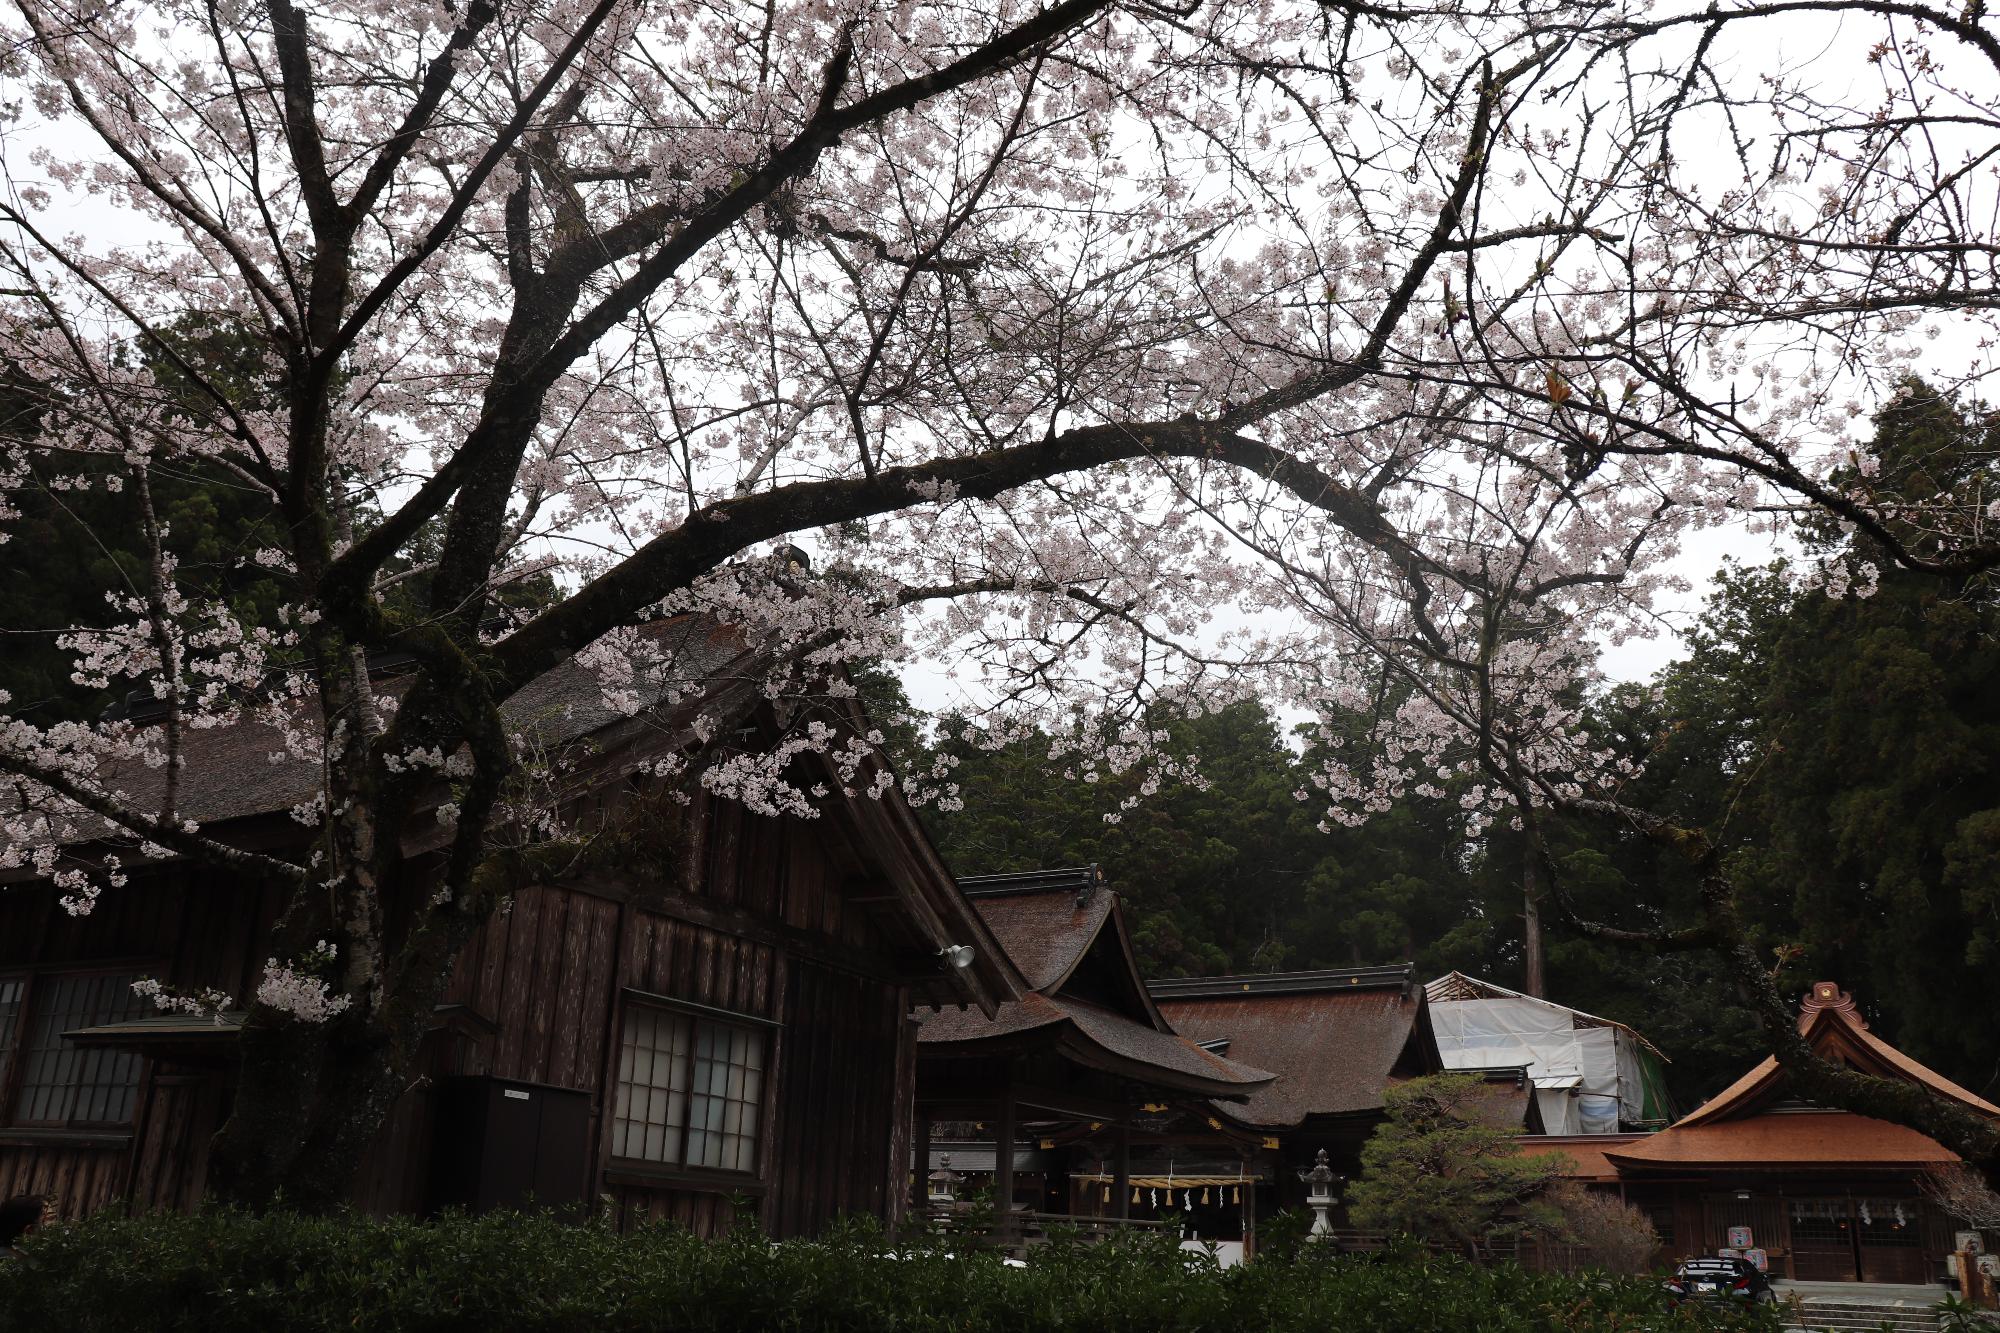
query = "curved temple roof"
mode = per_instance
[
  {"x": 1093, "y": 1037},
  {"x": 1046, "y": 922},
  {"x": 1063, "y": 931},
  {"x": 1336, "y": 1039},
  {"x": 1748, "y": 1124}
]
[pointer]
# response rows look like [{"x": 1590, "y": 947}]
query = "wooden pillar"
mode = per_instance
[
  {"x": 1121, "y": 1173},
  {"x": 1003, "y": 1168},
  {"x": 1247, "y": 1192},
  {"x": 919, "y": 1189},
  {"x": 906, "y": 1138}
]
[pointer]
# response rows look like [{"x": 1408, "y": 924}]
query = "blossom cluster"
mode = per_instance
[
  {"x": 297, "y": 992},
  {"x": 206, "y": 1002}
]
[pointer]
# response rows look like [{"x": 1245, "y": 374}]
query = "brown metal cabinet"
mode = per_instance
[{"x": 506, "y": 1143}]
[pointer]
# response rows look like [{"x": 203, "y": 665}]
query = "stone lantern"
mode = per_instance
[
  {"x": 1320, "y": 1183},
  {"x": 944, "y": 1183}
]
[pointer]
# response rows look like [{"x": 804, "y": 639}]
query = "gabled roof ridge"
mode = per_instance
[
  {"x": 1400, "y": 976},
  {"x": 1079, "y": 880},
  {"x": 1828, "y": 1015},
  {"x": 1828, "y": 1009}
]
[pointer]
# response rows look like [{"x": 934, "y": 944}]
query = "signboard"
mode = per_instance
[
  {"x": 1759, "y": 1258},
  {"x": 1739, "y": 1238}
]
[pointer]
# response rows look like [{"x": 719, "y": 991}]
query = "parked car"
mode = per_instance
[{"x": 1720, "y": 1278}]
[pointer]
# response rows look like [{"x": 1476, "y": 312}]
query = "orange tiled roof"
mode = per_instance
[
  {"x": 1586, "y": 1152},
  {"x": 1746, "y": 1125},
  {"x": 1784, "y": 1139},
  {"x": 1829, "y": 1021}
]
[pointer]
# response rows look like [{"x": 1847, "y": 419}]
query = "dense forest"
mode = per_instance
[{"x": 1845, "y": 749}]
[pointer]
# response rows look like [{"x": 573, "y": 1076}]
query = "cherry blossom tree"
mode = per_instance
[{"x": 1418, "y": 335}]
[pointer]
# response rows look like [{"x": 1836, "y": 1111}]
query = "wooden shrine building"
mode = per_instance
[
  {"x": 1820, "y": 1194},
  {"x": 1070, "y": 1068},
  {"x": 718, "y": 1010},
  {"x": 1337, "y": 1040}
]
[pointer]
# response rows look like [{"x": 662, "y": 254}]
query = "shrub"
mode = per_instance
[
  {"x": 1439, "y": 1169},
  {"x": 228, "y": 1272},
  {"x": 1610, "y": 1233}
]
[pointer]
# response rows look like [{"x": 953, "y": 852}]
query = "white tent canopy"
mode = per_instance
[{"x": 1590, "y": 1073}]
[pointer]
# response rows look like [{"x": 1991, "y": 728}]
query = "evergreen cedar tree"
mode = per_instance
[{"x": 1050, "y": 328}]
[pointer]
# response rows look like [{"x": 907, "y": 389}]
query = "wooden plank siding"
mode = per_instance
[
  {"x": 190, "y": 928},
  {"x": 81, "y": 1178},
  {"x": 756, "y": 921}
]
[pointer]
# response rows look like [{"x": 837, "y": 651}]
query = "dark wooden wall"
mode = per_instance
[
  {"x": 764, "y": 928},
  {"x": 191, "y": 929}
]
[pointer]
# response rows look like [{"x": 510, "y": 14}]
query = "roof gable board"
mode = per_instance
[{"x": 1833, "y": 1026}]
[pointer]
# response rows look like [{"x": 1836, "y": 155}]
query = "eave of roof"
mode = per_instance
[
  {"x": 924, "y": 884},
  {"x": 1089, "y": 1036},
  {"x": 1784, "y": 1139},
  {"x": 189, "y": 1038},
  {"x": 1334, "y": 1039},
  {"x": 220, "y": 1027}
]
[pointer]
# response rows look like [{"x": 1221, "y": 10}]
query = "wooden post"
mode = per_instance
[
  {"x": 1003, "y": 1168},
  {"x": 1121, "y": 1174},
  {"x": 1247, "y": 1193},
  {"x": 895, "y": 1204}
]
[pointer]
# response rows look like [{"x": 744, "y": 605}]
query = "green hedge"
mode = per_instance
[{"x": 220, "y": 1272}]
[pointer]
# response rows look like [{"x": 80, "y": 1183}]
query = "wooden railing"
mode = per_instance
[{"x": 1025, "y": 1229}]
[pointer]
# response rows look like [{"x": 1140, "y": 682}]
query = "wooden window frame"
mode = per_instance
[
  {"x": 35, "y": 980},
  {"x": 677, "y": 1170}
]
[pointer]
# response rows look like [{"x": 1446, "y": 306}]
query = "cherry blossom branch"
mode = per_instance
[
  {"x": 507, "y": 423},
  {"x": 177, "y": 836},
  {"x": 446, "y": 223},
  {"x": 176, "y": 200}
]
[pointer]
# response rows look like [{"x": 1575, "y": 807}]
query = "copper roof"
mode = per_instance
[
  {"x": 1335, "y": 1044},
  {"x": 1829, "y": 1021},
  {"x": 1789, "y": 1138},
  {"x": 1747, "y": 1124},
  {"x": 1586, "y": 1152}
]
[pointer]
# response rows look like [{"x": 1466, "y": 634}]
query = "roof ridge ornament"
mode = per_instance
[
  {"x": 1829, "y": 995},
  {"x": 1092, "y": 878}
]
